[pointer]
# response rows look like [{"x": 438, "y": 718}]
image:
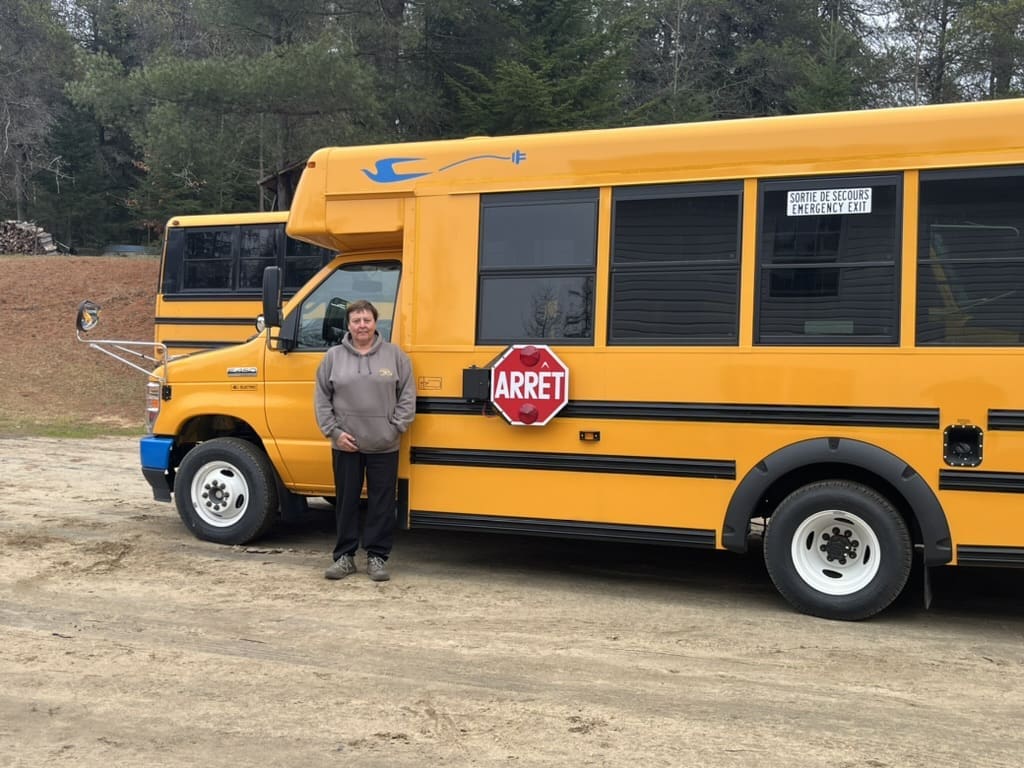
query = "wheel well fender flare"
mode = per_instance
[{"x": 920, "y": 498}]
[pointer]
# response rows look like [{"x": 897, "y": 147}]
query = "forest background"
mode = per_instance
[{"x": 117, "y": 114}]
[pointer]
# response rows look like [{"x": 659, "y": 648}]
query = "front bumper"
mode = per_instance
[{"x": 155, "y": 456}]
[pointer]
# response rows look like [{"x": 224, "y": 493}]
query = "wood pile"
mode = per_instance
[{"x": 25, "y": 237}]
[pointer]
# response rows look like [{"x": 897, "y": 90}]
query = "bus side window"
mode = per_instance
[
  {"x": 971, "y": 259},
  {"x": 257, "y": 251},
  {"x": 827, "y": 272},
  {"x": 208, "y": 259}
]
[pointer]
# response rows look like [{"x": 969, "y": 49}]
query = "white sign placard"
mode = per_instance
[{"x": 828, "y": 202}]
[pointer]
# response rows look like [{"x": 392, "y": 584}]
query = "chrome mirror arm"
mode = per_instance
[
  {"x": 119, "y": 350},
  {"x": 88, "y": 317}
]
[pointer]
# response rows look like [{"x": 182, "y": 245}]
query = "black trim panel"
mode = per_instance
[
  {"x": 528, "y": 526},
  {"x": 253, "y": 294},
  {"x": 251, "y": 321},
  {"x": 1006, "y": 420},
  {"x": 836, "y": 415},
  {"x": 160, "y": 483},
  {"x": 185, "y": 344},
  {"x": 717, "y": 469},
  {"x": 207, "y": 296},
  {"x": 452, "y": 406},
  {"x": 402, "y": 504},
  {"x": 984, "y": 482},
  {"x": 1000, "y": 557}
]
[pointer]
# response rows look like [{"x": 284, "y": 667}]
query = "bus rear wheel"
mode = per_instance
[
  {"x": 225, "y": 491},
  {"x": 838, "y": 550}
]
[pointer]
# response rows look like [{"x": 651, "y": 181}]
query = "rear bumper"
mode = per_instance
[{"x": 155, "y": 456}]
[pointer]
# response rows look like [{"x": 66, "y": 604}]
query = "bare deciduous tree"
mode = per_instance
[{"x": 30, "y": 86}]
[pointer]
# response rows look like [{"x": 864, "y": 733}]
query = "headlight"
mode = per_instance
[{"x": 154, "y": 390}]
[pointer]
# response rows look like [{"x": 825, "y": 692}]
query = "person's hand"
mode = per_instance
[{"x": 347, "y": 442}]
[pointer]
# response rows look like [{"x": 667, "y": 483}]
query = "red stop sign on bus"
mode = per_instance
[{"x": 529, "y": 384}]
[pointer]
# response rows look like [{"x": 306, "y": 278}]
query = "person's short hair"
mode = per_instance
[{"x": 360, "y": 305}]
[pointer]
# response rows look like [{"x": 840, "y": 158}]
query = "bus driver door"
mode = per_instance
[{"x": 306, "y": 333}]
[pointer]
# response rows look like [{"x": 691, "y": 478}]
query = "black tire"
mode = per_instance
[
  {"x": 226, "y": 491},
  {"x": 838, "y": 550}
]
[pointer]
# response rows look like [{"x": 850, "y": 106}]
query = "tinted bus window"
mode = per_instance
[
  {"x": 209, "y": 260},
  {"x": 675, "y": 265},
  {"x": 538, "y": 256},
  {"x": 970, "y": 273},
  {"x": 828, "y": 251},
  {"x": 258, "y": 249}
]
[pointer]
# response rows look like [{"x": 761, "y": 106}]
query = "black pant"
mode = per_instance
[{"x": 381, "y": 472}]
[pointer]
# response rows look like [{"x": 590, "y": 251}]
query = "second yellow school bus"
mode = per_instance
[
  {"x": 816, "y": 321},
  {"x": 211, "y": 276}
]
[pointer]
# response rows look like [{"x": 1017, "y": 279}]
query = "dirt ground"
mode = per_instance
[{"x": 126, "y": 642}]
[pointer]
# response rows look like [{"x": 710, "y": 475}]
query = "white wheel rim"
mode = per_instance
[
  {"x": 220, "y": 494},
  {"x": 836, "y": 552}
]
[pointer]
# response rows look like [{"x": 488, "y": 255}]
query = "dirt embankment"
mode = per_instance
[{"x": 47, "y": 377}]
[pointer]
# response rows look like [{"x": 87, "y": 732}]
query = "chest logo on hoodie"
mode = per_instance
[{"x": 385, "y": 372}]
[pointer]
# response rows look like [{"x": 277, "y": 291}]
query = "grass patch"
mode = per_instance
[{"x": 68, "y": 428}]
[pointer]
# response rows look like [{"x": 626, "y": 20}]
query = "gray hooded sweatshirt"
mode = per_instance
[{"x": 371, "y": 396}]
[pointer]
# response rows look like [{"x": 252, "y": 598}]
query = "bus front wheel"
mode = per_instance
[
  {"x": 225, "y": 491},
  {"x": 838, "y": 550}
]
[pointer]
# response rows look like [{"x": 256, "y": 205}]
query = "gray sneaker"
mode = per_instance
[
  {"x": 377, "y": 568},
  {"x": 341, "y": 568}
]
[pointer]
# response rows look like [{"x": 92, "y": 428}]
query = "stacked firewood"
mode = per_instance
[{"x": 25, "y": 237}]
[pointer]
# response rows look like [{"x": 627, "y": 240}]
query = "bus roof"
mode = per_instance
[
  {"x": 867, "y": 141},
  {"x": 227, "y": 219}
]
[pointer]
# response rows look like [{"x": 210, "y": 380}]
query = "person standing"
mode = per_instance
[{"x": 365, "y": 398}]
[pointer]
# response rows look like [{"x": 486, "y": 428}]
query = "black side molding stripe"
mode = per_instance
[
  {"x": 182, "y": 344},
  {"x": 1001, "y": 557},
  {"x": 836, "y": 415},
  {"x": 249, "y": 321},
  {"x": 571, "y": 462},
  {"x": 1006, "y": 420},
  {"x": 205, "y": 297},
  {"x": 986, "y": 482},
  {"x": 527, "y": 526}
]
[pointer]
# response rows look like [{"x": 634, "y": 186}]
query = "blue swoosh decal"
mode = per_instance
[{"x": 384, "y": 170}]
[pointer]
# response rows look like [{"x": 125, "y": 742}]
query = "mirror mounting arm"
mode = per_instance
[{"x": 88, "y": 317}]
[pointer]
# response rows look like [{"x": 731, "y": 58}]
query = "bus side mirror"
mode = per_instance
[
  {"x": 335, "y": 321},
  {"x": 272, "y": 297},
  {"x": 88, "y": 316}
]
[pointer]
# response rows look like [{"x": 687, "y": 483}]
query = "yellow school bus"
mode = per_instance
[
  {"x": 810, "y": 325},
  {"x": 211, "y": 276}
]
